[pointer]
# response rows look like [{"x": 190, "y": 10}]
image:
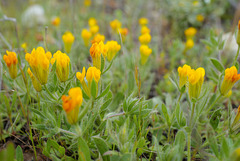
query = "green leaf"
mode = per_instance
[
  {"x": 102, "y": 147},
  {"x": 165, "y": 113},
  {"x": 109, "y": 66},
  {"x": 93, "y": 89},
  {"x": 83, "y": 150},
  {"x": 19, "y": 153},
  {"x": 215, "y": 118},
  {"x": 212, "y": 140},
  {"x": 14, "y": 98},
  {"x": 7, "y": 104},
  {"x": 104, "y": 92},
  {"x": 102, "y": 63},
  {"x": 106, "y": 104},
  {"x": 8, "y": 153},
  {"x": 217, "y": 64},
  {"x": 180, "y": 140},
  {"x": 65, "y": 90},
  {"x": 38, "y": 113},
  {"x": 225, "y": 147}
]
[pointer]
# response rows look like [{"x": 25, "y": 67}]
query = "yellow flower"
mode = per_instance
[
  {"x": 189, "y": 44},
  {"x": 86, "y": 35},
  {"x": 145, "y": 30},
  {"x": 39, "y": 62},
  {"x": 87, "y": 3},
  {"x": 200, "y": 18},
  {"x": 92, "y": 22},
  {"x": 237, "y": 117},
  {"x": 80, "y": 76},
  {"x": 93, "y": 73},
  {"x": 124, "y": 33},
  {"x": 95, "y": 51},
  {"x": 190, "y": 32},
  {"x": 113, "y": 48},
  {"x": 238, "y": 35},
  {"x": 235, "y": 156},
  {"x": 98, "y": 38},
  {"x": 183, "y": 75},
  {"x": 72, "y": 103},
  {"x": 24, "y": 46},
  {"x": 94, "y": 29},
  {"x": 37, "y": 86},
  {"x": 195, "y": 79},
  {"x": 230, "y": 78},
  {"x": 195, "y": 3},
  {"x": 145, "y": 51},
  {"x": 115, "y": 25},
  {"x": 56, "y": 21},
  {"x": 62, "y": 65},
  {"x": 143, "y": 21},
  {"x": 145, "y": 39},
  {"x": 68, "y": 40},
  {"x": 11, "y": 61}
]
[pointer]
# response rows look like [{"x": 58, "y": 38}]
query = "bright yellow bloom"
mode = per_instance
[
  {"x": 95, "y": 51},
  {"x": 68, "y": 40},
  {"x": 195, "y": 79},
  {"x": 145, "y": 30},
  {"x": 24, "y": 46},
  {"x": 86, "y": 35},
  {"x": 62, "y": 65},
  {"x": 98, "y": 38},
  {"x": 39, "y": 62},
  {"x": 190, "y": 32},
  {"x": 11, "y": 61},
  {"x": 87, "y": 3},
  {"x": 230, "y": 78},
  {"x": 237, "y": 117},
  {"x": 200, "y": 18},
  {"x": 143, "y": 21},
  {"x": 113, "y": 48},
  {"x": 115, "y": 25},
  {"x": 189, "y": 44},
  {"x": 145, "y": 39},
  {"x": 72, "y": 103},
  {"x": 145, "y": 51},
  {"x": 93, "y": 73},
  {"x": 80, "y": 76},
  {"x": 195, "y": 3},
  {"x": 94, "y": 29},
  {"x": 56, "y": 21},
  {"x": 183, "y": 75},
  {"x": 124, "y": 33},
  {"x": 37, "y": 86},
  {"x": 238, "y": 34},
  {"x": 92, "y": 22}
]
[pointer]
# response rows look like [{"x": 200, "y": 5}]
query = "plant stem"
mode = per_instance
[
  {"x": 67, "y": 132},
  {"x": 169, "y": 130},
  {"x": 236, "y": 57},
  {"x": 50, "y": 94},
  {"x": 189, "y": 145},
  {"x": 118, "y": 114},
  {"x": 209, "y": 109}
]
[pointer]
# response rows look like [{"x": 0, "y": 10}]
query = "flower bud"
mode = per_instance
[
  {"x": 68, "y": 40},
  {"x": 37, "y": 86},
  {"x": 11, "y": 61}
]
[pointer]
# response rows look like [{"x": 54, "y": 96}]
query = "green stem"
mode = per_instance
[
  {"x": 169, "y": 129},
  {"x": 236, "y": 57},
  {"x": 189, "y": 145},
  {"x": 209, "y": 109},
  {"x": 84, "y": 111},
  {"x": 180, "y": 97},
  {"x": 50, "y": 94}
]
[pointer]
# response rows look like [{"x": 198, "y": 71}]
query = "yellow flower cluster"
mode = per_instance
[
  {"x": 98, "y": 38},
  {"x": 92, "y": 74},
  {"x": 96, "y": 50},
  {"x": 86, "y": 35},
  {"x": 11, "y": 61},
  {"x": 113, "y": 48},
  {"x": 144, "y": 39},
  {"x": 72, "y": 103},
  {"x": 189, "y": 33},
  {"x": 24, "y": 46},
  {"x": 93, "y": 25},
  {"x": 56, "y": 21},
  {"x": 145, "y": 51},
  {"x": 115, "y": 25},
  {"x": 39, "y": 62},
  {"x": 87, "y": 3},
  {"x": 230, "y": 78},
  {"x": 200, "y": 18},
  {"x": 68, "y": 40},
  {"x": 124, "y": 33},
  {"x": 62, "y": 65},
  {"x": 193, "y": 78}
]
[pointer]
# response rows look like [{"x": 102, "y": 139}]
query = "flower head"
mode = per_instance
[
  {"x": 145, "y": 30},
  {"x": 98, "y": 38},
  {"x": 189, "y": 44},
  {"x": 124, "y": 33},
  {"x": 92, "y": 22},
  {"x": 39, "y": 62},
  {"x": 230, "y": 78},
  {"x": 68, "y": 40},
  {"x": 62, "y": 65},
  {"x": 56, "y": 21},
  {"x": 37, "y": 86},
  {"x": 145, "y": 51},
  {"x": 145, "y": 39},
  {"x": 86, "y": 35},
  {"x": 93, "y": 73},
  {"x": 94, "y": 29},
  {"x": 190, "y": 32},
  {"x": 95, "y": 51},
  {"x": 11, "y": 61},
  {"x": 115, "y": 25},
  {"x": 87, "y": 3},
  {"x": 113, "y": 48},
  {"x": 200, "y": 18},
  {"x": 143, "y": 21},
  {"x": 195, "y": 79},
  {"x": 72, "y": 103},
  {"x": 80, "y": 76},
  {"x": 183, "y": 73}
]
